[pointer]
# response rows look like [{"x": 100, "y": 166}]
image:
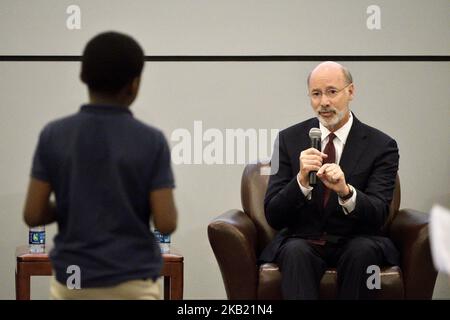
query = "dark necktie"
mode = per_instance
[{"x": 331, "y": 152}]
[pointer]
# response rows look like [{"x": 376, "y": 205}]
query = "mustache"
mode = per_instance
[{"x": 329, "y": 109}]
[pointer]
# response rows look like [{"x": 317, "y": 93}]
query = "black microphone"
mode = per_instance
[{"x": 316, "y": 137}]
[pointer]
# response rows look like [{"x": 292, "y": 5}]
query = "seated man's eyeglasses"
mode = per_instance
[{"x": 330, "y": 92}]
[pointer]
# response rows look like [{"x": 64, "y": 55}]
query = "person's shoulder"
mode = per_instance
[
  {"x": 59, "y": 123},
  {"x": 377, "y": 138},
  {"x": 375, "y": 134},
  {"x": 147, "y": 129}
]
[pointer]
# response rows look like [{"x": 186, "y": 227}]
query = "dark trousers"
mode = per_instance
[{"x": 302, "y": 265}]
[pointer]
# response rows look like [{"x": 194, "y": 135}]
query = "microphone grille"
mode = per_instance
[{"x": 315, "y": 133}]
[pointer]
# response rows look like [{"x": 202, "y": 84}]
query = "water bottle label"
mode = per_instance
[
  {"x": 157, "y": 235},
  {"x": 164, "y": 238},
  {"x": 36, "y": 237}
]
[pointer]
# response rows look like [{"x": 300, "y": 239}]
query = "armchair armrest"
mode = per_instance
[
  {"x": 409, "y": 231},
  {"x": 232, "y": 236}
]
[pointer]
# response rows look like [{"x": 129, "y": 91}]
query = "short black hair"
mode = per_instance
[{"x": 110, "y": 61}]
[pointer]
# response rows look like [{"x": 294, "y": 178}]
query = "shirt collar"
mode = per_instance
[
  {"x": 105, "y": 109},
  {"x": 341, "y": 133}
]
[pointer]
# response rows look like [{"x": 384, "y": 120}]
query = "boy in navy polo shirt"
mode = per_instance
[{"x": 109, "y": 173}]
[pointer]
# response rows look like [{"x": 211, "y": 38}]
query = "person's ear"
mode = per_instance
[
  {"x": 135, "y": 85},
  {"x": 351, "y": 91}
]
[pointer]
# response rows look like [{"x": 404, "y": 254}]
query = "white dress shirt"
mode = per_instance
[{"x": 339, "y": 143}]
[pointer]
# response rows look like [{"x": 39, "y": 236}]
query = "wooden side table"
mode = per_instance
[{"x": 38, "y": 264}]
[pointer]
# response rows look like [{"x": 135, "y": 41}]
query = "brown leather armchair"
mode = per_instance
[{"x": 237, "y": 237}]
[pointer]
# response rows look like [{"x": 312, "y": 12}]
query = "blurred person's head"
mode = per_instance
[{"x": 111, "y": 68}]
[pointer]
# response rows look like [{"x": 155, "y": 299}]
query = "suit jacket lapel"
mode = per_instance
[{"x": 354, "y": 147}]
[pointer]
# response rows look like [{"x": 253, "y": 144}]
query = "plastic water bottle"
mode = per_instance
[
  {"x": 36, "y": 239},
  {"x": 164, "y": 241}
]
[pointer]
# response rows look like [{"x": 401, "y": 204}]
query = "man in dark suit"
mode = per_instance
[{"x": 338, "y": 222}]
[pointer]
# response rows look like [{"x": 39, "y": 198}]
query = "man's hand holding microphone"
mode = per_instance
[{"x": 312, "y": 166}]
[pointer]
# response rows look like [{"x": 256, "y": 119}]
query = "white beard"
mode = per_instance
[{"x": 330, "y": 124}]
